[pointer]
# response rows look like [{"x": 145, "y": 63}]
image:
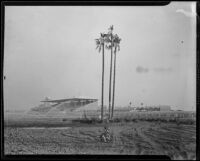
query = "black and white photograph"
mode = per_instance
[{"x": 100, "y": 80}]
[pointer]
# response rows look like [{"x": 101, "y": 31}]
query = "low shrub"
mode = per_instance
[
  {"x": 127, "y": 119},
  {"x": 116, "y": 120},
  {"x": 87, "y": 120},
  {"x": 64, "y": 119},
  {"x": 134, "y": 120},
  {"x": 187, "y": 121}
]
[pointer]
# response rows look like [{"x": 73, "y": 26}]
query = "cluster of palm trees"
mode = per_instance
[{"x": 111, "y": 42}]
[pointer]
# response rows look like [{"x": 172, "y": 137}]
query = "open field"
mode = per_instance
[
  {"x": 32, "y": 120},
  {"x": 179, "y": 142},
  {"x": 41, "y": 135}
]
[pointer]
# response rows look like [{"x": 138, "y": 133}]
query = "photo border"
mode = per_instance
[{"x": 93, "y": 3}]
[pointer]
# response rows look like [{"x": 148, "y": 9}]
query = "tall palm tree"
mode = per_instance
[
  {"x": 110, "y": 35},
  {"x": 100, "y": 46},
  {"x": 116, "y": 42}
]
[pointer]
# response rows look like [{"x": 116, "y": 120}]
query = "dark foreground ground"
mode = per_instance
[{"x": 135, "y": 138}]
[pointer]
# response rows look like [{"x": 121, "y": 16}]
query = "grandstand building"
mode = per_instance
[{"x": 71, "y": 107}]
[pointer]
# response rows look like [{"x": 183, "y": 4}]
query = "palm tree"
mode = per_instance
[
  {"x": 116, "y": 42},
  {"x": 100, "y": 45},
  {"x": 110, "y": 35}
]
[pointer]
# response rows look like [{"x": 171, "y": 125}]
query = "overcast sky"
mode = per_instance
[{"x": 50, "y": 51}]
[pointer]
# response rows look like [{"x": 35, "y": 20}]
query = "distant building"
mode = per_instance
[
  {"x": 153, "y": 108},
  {"x": 164, "y": 108},
  {"x": 71, "y": 107}
]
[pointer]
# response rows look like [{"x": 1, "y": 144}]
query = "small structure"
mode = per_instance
[{"x": 164, "y": 108}]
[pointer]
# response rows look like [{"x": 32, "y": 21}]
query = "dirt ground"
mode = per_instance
[{"x": 135, "y": 138}]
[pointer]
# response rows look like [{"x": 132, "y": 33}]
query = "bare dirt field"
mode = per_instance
[{"x": 132, "y": 138}]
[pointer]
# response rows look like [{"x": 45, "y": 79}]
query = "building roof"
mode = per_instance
[{"x": 70, "y": 99}]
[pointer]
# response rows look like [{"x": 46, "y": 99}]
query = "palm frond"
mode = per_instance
[
  {"x": 97, "y": 41},
  {"x": 118, "y": 48},
  {"x": 99, "y": 48},
  {"x": 111, "y": 28},
  {"x": 109, "y": 46}
]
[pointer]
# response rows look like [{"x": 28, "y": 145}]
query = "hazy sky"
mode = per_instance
[{"x": 50, "y": 51}]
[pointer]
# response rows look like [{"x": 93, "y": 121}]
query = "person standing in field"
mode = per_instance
[{"x": 105, "y": 137}]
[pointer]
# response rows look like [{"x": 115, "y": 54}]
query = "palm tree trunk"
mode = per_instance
[
  {"x": 110, "y": 83},
  {"x": 113, "y": 98},
  {"x": 102, "y": 92}
]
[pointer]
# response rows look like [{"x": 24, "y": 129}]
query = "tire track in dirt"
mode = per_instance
[
  {"x": 20, "y": 142},
  {"x": 54, "y": 145},
  {"x": 172, "y": 142},
  {"x": 38, "y": 143},
  {"x": 85, "y": 138},
  {"x": 152, "y": 146},
  {"x": 134, "y": 138},
  {"x": 181, "y": 135}
]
